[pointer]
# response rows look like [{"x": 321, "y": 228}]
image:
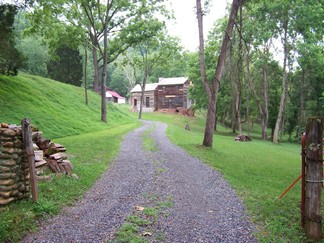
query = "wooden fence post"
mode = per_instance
[
  {"x": 28, "y": 143},
  {"x": 314, "y": 177}
]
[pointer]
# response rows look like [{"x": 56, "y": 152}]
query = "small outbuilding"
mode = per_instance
[
  {"x": 150, "y": 97},
  {"x": 114, "y": 97}
]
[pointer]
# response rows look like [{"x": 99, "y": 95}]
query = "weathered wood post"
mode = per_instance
[
  {"x": 28, "y": 144},
  {"x": 314, "y": 177}
]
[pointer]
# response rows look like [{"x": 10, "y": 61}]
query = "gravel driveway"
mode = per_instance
[{"x": 183, "y": 199}]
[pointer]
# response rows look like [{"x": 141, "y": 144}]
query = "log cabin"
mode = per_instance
[
  {"x": 167, "y": 94},
  {"x": 173, "y": 93}
]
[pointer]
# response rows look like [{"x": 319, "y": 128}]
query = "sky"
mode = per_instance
[{"x": 185, "y": 25}]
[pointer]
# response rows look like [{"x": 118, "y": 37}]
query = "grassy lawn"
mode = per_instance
[{"x": 258, "y": 170}]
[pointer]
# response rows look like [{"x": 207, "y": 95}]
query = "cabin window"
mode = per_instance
[
  {"x": 177, "y": 88},
  {"x": 147, "y": 102},
  {"x": 135, "y": 102},
  {"x": 164, "y": 89}
]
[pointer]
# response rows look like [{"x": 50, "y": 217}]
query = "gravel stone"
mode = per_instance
[{"x": 204, "y": 207}]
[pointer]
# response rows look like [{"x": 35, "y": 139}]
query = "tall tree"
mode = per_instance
[
  {"x": 212, "y": 88},
  {"x": 283, "y": 19},
  {"x": 10, "y": 58},
  {"x": 67, "y": 68}
]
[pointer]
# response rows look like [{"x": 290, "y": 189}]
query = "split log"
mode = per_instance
[
  {"x": 40, "y": 163},
  {"x": 43, "y": 143},
  {"x": 38, "y": 155},
  {"x": 68, "y": 167},
  {"x": 52, "y": 164}
]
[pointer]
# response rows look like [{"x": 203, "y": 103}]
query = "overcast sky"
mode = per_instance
[{"x": 186, "y": 27}]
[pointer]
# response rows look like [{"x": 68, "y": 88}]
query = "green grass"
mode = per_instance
[
  {"x": 148, "y": 142},
  {"x": 259, "y": 171},
  {"x": 59, "y": 111},
  {"x": 138, "y": 226}
]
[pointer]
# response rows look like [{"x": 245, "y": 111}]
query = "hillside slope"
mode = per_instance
[{"x": 56, "y": 108}]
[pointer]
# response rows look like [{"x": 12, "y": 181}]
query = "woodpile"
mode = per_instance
[
  {"x": 50, "y": 155},
  {"x": 243, "y": 138},
  {"x": 14, "y": 172},
  {"x": 186, "y": 112}
]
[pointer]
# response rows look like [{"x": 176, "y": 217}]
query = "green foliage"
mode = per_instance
[
  {"x": 68, "y": 67},
  {"x": 36, "y": 54},
  {"x": 31, "y": 46},
  {"x": 175, "y": 66},
  {"x": 118, "y": 82},
  {"x": 197, "y": 91},
  {"x": 10, "y": 58}
]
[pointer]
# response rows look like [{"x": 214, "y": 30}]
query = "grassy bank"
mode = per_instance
[
  {"x": 57, "y": 109},
  {"x": 258, "y": 170}
]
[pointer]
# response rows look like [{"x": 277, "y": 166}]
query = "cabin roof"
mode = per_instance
[
  {"x": 110, "y": 93},
  {"x": 172, "y": 81},
  {"x": 148, "y": 87}
]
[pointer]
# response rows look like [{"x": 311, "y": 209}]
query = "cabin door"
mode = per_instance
[{"x": 171, "y": 103}]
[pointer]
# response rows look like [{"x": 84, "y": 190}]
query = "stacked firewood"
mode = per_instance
[{"x": 50, "y": 155}]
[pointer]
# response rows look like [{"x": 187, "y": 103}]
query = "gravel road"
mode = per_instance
[{"x": 184, "y": 199}]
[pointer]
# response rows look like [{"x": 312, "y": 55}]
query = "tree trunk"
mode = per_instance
[
  {"x": 210, "y": 120},
  {"x": 301, "y": 121},
  {"x": 215, "y": 125},
  {"x": 265, "y": 110},
  {"x": 248, "y": 118},
  {"x": 239, "y": 78},
  {"x": 104, "y": 68},
  {"x": 234, "y": 91},
  {"x": 283, "y": 86},
  {"x": 96, "y": 69},
  {"x": 145, "y": 76},
  {"x": 219, "y": 70},
  {"x": 85, "y": 73},
  {"x": 142, "y": 98}
]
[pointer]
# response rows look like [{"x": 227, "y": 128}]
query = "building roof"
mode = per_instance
[
  {"x": 110, "y": 93},
  {"x": 172, "y": 81},
  {"x": 148, "y": 87}
]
